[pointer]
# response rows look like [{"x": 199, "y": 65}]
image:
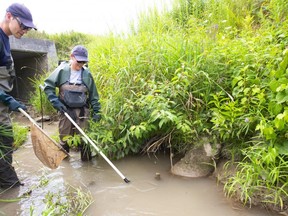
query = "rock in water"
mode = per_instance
[{"x": 197, "y": 162}]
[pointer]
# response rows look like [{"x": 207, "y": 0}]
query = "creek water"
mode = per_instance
[{"x": 145, "y": 195}]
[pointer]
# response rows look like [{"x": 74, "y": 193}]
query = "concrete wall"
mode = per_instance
[{"x": 32, "y": 58}]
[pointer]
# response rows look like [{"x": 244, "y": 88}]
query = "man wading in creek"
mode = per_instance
[
  {"x": 77, "y": 97},
  {"x": 17, "y": 22}
]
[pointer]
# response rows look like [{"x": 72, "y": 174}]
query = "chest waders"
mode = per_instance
[
  {"x": 8, "y": 176},
  {"x": 74, "y": 96},
  {"x": 7, "y": 77}
]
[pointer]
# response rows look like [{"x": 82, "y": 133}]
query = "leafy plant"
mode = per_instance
[
  {"x": 74, "y": 202},
  {"x": 216, "y": 68},
  {"x": 20, "y": 134},
  {"x": 67, "y": 200},
  {"x": 38, "y": 99},
  {"x": 262, "y": 175}
]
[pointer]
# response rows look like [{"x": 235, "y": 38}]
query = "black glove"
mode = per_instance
[
  {"x": 14, "y": 105},
  {"x": 56, "y": 103},
  {"x": 11, "y": 102},
  {"x": 59, "y": 106},
  {"x": 96, "y": 117}
]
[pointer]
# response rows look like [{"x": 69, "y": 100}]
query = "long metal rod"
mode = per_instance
[
  {"x": 41, "y": 104},
  {"x": 94, "y": 145}
]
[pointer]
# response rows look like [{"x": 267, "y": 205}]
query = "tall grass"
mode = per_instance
[
  {"x": 20, "y": 134},
  {"x": 262, "y": 176},
  {"x": 205, "y": 68}
]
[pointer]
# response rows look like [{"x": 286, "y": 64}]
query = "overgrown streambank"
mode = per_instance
[
  {"x": 98, "y": 185},
  {"x": 205, "y": 68},
  {"x": 145, "y": 194}
]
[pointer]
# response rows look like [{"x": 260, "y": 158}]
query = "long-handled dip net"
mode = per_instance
[{"x": 45, "y": 148}]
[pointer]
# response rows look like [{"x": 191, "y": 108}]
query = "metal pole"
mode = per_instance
[
  {"x": 93, "y": 144},
  {"x": 41, "y": 104}
]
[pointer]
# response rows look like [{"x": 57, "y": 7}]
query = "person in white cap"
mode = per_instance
[
  {"x": 17, "y": 22},
  {"x": 78, "y": 96}
]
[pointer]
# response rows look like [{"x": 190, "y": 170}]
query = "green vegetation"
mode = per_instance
[
  {"x": 262, "y": 173},
  {"x": 20, "y": 134},
  {"x": 72, "y": 201},
  {"x": 38, "y": 100},
  {"x": 65, "y": 200},
  {"x": 205, "y": 68}
]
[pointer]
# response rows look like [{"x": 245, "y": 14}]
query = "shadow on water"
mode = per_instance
[{"x": 146, "y": 194}]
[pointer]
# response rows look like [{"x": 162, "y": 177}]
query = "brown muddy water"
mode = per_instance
[{"x": 143, "y": 196}]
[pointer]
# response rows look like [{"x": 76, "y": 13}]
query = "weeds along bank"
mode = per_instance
[{"x": 205, "y": 68}]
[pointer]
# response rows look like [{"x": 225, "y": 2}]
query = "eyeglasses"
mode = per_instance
[
  {"x": 22, "y": 26},
  {"x": 81, "y": 62}
]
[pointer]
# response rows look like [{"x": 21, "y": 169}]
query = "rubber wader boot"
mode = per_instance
[
  {"x": 8, "y": 176},
  {"x": 66, "y": 147}
]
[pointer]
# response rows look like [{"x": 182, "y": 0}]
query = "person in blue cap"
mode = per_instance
[
  {"x": 78, "y": 96},
  {"x": 17, "y": 22}
]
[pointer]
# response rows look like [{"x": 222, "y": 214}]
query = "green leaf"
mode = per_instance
[
  {"x": 274, "y": 107},
  {"x": 285, "y": 115},
  {"x": 269, "y": 132},
  {"x": 281, "y": 87},
  {"x": 274, "y": 85},
  {"x": 155, "y": 115},
  {"x": 163, "y": 121},
  {"x": 256, "y": 90},
  {"x": 283, "y": 66},
  {"x": 281, "y": 97},
  {"x": 236, "y": 80},
  {"x": 279, "y": 122},
  {"x": 283, "y": 148},
  {"x": 244, "y": 100},
  {"x": 246, "y": 91}
]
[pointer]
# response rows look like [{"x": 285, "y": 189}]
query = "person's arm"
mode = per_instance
[
  {"x": 8, "y": 100},
  {"x": 50, "y": 85},
  {"x": 93, "y": 98}
]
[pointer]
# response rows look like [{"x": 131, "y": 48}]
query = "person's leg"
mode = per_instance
[
  {"x": 82, "y": 121},
  {"x": 65, "y": 129},
  {"x": 8, "y": 176}
]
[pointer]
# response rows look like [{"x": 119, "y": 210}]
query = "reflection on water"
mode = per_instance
[{"x": 145, "y": 195}]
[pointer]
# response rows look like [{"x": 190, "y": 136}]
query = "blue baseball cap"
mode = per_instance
[
  {"x": 80, "y": 53},
  {"x": 23, "y": 13}
]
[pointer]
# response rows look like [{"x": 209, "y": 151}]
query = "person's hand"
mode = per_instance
[
  {"x": 14, "y": 105},
  {"x": 96, "y": 117},
  {"x": 58, "y": 105},
  {"x": 11, "y": 102}
]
